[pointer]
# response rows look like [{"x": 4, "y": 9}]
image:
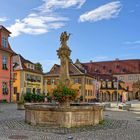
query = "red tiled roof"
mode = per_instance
[
  {"x": 114, "y": 67},
  {"x": 73, "y": 70},
  {"x": 23, "y": 61}
]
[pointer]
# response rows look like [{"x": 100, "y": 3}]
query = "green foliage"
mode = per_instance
[
  {"x": 32, "y": 97},
  {"x": 49, "y": 98},
  {"x": 38, "y": 66},
  {"x": 61, "y": 94},
  {"x": 102, "y": 122},
  {"x": 3, "y": 101},
  {"x": 28, "y": 97}
]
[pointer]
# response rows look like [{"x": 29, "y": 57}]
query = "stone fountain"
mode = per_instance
[{"x": 68, "y": 116}]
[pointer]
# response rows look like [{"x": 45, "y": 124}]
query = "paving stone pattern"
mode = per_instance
[{"x": 117, "y": 126}]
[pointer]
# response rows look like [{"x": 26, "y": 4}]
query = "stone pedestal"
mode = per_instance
[{"x": 72, "y": 116}]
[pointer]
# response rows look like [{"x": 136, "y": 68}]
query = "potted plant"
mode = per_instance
[{"x": 20, "y": 103}]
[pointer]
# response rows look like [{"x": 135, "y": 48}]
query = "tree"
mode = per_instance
[{"x": 38, "y": 66}]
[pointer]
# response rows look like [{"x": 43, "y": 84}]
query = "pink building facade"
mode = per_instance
[{"x": 6, "y": 54}]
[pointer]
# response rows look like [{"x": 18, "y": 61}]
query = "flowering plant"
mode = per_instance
[{"x": 63, "y": 94}]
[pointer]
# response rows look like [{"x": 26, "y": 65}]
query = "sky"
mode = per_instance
[{"x": 101, "y": 30}]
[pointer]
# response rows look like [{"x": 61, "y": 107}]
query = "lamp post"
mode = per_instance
[
  {"x": 101, "y": 94},
  {"x": 95, "y": 86},
  {"x": 46, "y": 88},
  {"x": 117, "y": 92}
]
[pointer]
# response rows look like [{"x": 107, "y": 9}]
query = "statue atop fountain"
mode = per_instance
[{"x": 64, "y": 54}]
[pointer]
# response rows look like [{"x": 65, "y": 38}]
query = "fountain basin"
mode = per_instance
[{"x": 54, "y": 115}]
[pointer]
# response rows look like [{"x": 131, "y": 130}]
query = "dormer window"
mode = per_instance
[
  {"x": 32, "y": 67},
  {"x": 110, "y": 71},
  {"x": 117, "y": 66},
  {"x": 104, "y": 67},
  {"x": 123, "y": 70},
  {"x": 28, "y": 65},
  {"x": 4, "y": 42}
]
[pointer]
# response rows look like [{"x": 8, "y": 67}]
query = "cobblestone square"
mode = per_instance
[{"x": 122, "y": 125}]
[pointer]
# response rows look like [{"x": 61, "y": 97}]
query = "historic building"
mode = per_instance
[
  {"x": 109, "y": 88},
  {"x": 27, "y": 79},
  {"x": 80, "y": 80},
  {"x": 127, "y": 71},
  {"x": 136, "y": 89},
  {"x": 6, "y": 54},
  {"x": 90, "y": 86}
]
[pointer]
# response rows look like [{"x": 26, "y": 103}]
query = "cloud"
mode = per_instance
[
  {"x": 3, "y": 19},
  {"x": 50, "y": 5},
  {"x": 107, "y": 11},
  {"x": 132, "y": 42},
  {"x": 44, "y": 18},
  {"x": 35, "y": 25}
]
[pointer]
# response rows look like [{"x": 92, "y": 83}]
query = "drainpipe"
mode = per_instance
[{"x": 11, "y": 78}]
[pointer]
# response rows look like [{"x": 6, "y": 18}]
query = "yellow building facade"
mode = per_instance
[
  {"x": 79, "y": 81},
  {"x": 111, "y": 90},
  {"x": 26, "y": 78}
]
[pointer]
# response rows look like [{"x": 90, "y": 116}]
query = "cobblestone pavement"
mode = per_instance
[{"x": 124, "y": 125}]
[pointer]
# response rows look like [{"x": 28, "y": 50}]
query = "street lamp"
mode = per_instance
[
  {"x": 46, "y": 88},
  {"x": 95, "y": 86},
  {"x": 117, "y": 91}
]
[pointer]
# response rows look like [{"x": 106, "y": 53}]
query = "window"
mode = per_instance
[
  {"x": 85, "y": 92},
  {"x": 38, "y": 91},
  {"x": 115, "y": 84},
  {"x": 121, "y": 78},
  {"x": 104, "y": 67},
  {"x": 130, "y": 77},
  {"x": 110, "y": 71},
  {"x": 109, "y": 84},
  {"x": 49, "y": 82},
  {"x": 28, "y": 78},
  {"x": 37, "y": 79},
  {"x": 28, "y": 90},
  {"x": 28, "y": 65},
  {"x": 123, "y": 70},
  {"x": 31, "y": 66},
  {"x": 4, "y": 88},
  {"x": 33, "y": 90},
  {"x": 79, "y": 80},
  {"x": 117, "y": 66},
  {"x": 4, "y": 42},
  {"x": 136, "y": 77},
  {"x": 4, "y": 63},
  {"x": 103, "y": 84},
  {"x": 15, "y": 90},
  {"x": 75, "y": 81},
  {"x": 15, "y": 76},
  {"x": 52, "y": 81}
]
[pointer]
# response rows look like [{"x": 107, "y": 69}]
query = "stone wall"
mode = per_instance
[{"x": 72, "y": 116}]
